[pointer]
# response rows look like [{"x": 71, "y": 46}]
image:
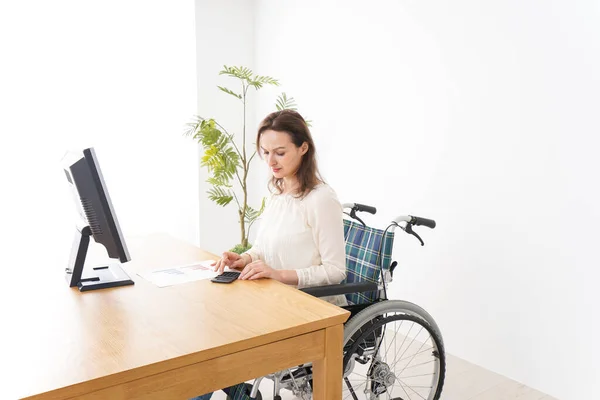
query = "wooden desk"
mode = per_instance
[{"x": 145, "y": 342}]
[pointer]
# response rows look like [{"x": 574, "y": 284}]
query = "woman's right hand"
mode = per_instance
[{"x": 231, "y": 260}]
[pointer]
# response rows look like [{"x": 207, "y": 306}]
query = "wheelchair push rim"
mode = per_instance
[{"x": 394, "y": 356}]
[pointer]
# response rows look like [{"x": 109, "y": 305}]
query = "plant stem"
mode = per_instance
[
  {"x": 244, "y": 240},
  {"x": 236, "y": 199},
  {"x": 250, "y": 160}
]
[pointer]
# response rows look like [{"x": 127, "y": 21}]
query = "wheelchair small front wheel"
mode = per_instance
[{"x": 396, "y": 356}]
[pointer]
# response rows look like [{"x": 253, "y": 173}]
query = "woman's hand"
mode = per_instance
[
  {"x": 231, "y": 260},
  {"x": 258, "y": 269}
]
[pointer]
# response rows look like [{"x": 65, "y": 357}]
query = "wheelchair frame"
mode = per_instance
[{"x": 366, "y": 315}]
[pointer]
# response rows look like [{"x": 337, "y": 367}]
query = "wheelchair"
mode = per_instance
[{"x": 393, "y": 349}]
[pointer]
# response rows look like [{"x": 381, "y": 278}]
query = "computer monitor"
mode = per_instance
[{"x": 97, "y": 219}]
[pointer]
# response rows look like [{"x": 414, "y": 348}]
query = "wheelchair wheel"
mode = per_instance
[
  {"x": 392, "y": 351},
  {"x": 248, "y": 391}
]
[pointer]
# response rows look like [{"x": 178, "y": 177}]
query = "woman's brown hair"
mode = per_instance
[{"x": 293, "y": 124}]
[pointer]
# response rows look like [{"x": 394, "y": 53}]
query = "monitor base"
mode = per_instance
[
  {"x": 87, "y": 279},
  {"x": 106, "y": 276}
]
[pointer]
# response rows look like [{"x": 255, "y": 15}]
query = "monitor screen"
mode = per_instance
[{"x": 98, "y": 220}]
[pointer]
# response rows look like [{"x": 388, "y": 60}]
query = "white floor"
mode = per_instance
[{"x": 464, "y": 381}]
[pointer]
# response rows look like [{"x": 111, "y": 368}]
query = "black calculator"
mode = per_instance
[{"x": 226, "y": 277}]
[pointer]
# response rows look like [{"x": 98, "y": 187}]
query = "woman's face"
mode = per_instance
[{"x": 281, "y": 154}]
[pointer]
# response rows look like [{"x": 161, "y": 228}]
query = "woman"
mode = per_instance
[{"x": 301, "y": 237}]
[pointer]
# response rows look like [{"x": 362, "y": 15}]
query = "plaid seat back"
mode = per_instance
[{"x": 364, "y": 255}]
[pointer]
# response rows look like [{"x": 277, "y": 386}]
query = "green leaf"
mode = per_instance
[
  {"x": 221, "y": 159},
  {"x": 211, "y": 134},
  {"x": 259, "y": 81},
  {"x": 228, "y": 91},
  {"x": 220, "y": 196},
  {"x": 211, "y": 158},
  {"x": 192, "y": 127},
  {"x": 252, "y": 214},
  {"x": 239, "y": 248},
  {"x": 204, "y": 131},
  {"x": 219, "y": 181},
  {"x": 237, "y": 72},
  {"x": 283, "y": 103}
]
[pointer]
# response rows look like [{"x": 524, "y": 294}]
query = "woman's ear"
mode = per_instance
[{"x": 304, "y": 148}]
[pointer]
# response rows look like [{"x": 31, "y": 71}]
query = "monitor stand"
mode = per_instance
[{"x": 101, "y": 277}]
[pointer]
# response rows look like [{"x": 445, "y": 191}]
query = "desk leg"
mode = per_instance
[{"x": 327, "y": 372}]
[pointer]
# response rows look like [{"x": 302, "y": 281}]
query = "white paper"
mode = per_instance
[{"x": 181, "y": 274}]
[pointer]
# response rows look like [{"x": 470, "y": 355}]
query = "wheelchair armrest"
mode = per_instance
[{"x": 342, "y": 288}]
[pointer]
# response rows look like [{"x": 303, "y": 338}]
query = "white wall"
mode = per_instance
[
  {"x": 225, "y": 36},
  {"x": 117, "y": 76},
  {"x": 483, "y": 116}
]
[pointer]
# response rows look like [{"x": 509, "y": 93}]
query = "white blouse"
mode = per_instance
[{"x": 305, "y": 235}]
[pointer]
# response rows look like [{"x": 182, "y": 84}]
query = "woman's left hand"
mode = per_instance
[{"x": 257, "y": 270}]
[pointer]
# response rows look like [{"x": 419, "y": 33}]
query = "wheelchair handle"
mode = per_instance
[
  {"x": 360, "y": 207},
  {"x": 418, "y": 221},
  {"x": 423, "y": 221}
]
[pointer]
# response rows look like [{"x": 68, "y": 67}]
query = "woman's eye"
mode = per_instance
[{"x": 280, "y": 154}]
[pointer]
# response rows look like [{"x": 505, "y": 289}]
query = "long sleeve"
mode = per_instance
[
  {"x": 254, "y": 252},
  {"x": 324, "y": 217}
]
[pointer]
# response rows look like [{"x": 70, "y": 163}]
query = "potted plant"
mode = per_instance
[{"x": 227, "y": 160}]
